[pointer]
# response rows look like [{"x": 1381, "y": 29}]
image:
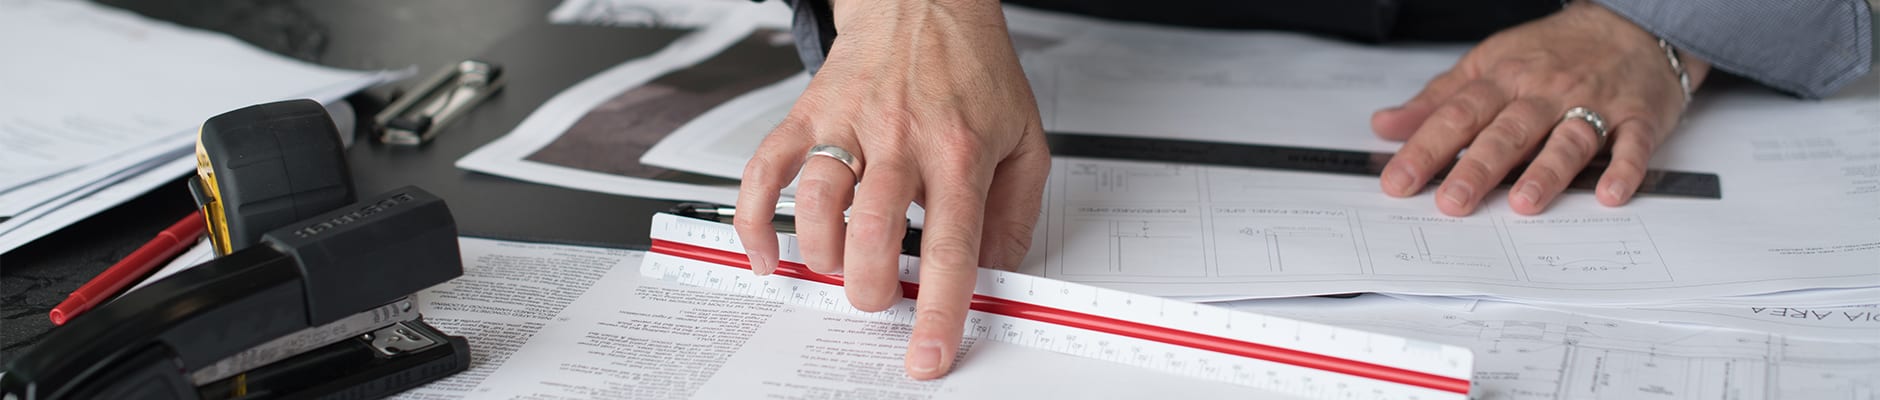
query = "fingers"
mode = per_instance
[
  {"x": 1501, "y": 146},
  {"x": 1632, "y": 143},
  {"x": 773, "y": 166},
  {"x": 824, "y": 191},
  {"x": 1397, "y": 123},
  {"x": 1012, "y": 207},
  {"x": 877, "y": 224},
  {"x": 1436, "y": 142},
  {"x": 1567, "y": 151},
  {"x": 949, "y": 251}
]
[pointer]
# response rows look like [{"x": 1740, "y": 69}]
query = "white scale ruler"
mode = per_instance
[{"x": 1270, "y": 353}]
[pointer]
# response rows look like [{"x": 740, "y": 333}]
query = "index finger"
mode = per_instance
[
  {"x": 777, "y": 160},
  {"x": 948, "y": 271}
]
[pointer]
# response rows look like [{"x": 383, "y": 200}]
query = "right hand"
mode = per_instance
[{"x": 929, "y": 97}]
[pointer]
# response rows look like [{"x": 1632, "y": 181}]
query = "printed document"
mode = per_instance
[
  {"x": 86, "y": 82},
  {"x": 564, "y": 322},
  {"x": 102, "y": 105}
]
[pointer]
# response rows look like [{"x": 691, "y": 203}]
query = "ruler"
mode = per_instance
[
  {"x": 1270, "y": 353},
  {"x": 1701, "y": 185}
]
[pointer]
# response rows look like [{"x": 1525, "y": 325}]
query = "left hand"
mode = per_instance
[{"x": 1505, "y": 98}]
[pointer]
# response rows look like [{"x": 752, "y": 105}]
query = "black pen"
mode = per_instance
[{"x": 910, "y": 244}]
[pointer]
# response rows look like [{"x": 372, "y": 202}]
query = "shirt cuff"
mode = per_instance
[{"x": 1811, "y": 48}]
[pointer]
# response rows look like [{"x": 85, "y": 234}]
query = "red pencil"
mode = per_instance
[{"x": 167, "y": 244}]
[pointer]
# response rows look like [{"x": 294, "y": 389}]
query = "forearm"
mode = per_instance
[
  {"x": 975, "y": 13},
  {"x": 1811, "y": 48},
  {"x": 816, "y": 22}
]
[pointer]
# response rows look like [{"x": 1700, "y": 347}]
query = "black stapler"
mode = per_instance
[{"x": 311, "y": 297}]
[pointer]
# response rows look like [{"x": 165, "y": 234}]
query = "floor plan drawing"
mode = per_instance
[
  {"x": 1254, "y": 240},
  {"x": 1436, "y": 246},
  {"x": 1219, "y": 232},
  {"x": 1524, "y": 353},
  {"x": 1138, "y": 247},
  {"x": 1136, "y": 181},
  {"x": 1588, "y": 249}
]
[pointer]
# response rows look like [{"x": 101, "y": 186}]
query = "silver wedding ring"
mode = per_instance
[
  {"x": 839, "y": 154},
  {"x": 1592, "y": 118}
]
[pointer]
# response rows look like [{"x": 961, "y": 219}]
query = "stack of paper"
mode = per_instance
[
  {"x": 1758, "y": 295},
  {"x": 1229, "y": 233},
  {"x": 101, "y": 105}
]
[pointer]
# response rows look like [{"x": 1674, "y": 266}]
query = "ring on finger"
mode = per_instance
[
  {"x": 839, "y": 154},
  {"x": 1592, "y": 119}
]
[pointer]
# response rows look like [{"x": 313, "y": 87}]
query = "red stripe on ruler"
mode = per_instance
[{"x": 1034, "y": 312}]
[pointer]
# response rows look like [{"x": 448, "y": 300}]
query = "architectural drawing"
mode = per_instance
[
  {"x": 1137, "y": 247},
  {"x": 1217, "y": 232},
  {"x": 1436, "y": 246},
  {"x": 1525, "y": 353},
  {"x": 1254, "y": 240},
  {"x": 1587, "y": 249}
]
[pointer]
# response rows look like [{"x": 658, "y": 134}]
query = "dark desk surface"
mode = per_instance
[{"x": 540, "y": 60}]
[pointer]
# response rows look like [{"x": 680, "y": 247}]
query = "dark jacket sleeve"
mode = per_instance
[
  {"x": 814, "y": 28},
  {"x": 1811, "y": 48}
]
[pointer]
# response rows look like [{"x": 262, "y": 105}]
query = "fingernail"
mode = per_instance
[
  {"x": 1529, "y": 193},
  {"x": 925, "y": 357},
  {"x": 1399, "y": 179},
  {"x": 761, "y": 265},
  {"x": 1618, "y": 189},
  {"x": 1458, "y": 194}
]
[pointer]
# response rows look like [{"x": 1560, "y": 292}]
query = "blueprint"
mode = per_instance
[
  {"x": 1527, "y": 353},
  {"x": 1800, "y": 181},
  {"x": 1800, "y": 206},
  {"x": 1847, "y": 323},
  {"x": 1183, "y": 230}
]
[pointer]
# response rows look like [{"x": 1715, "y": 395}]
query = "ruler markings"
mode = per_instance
[{"x": 1185, "y": 338}]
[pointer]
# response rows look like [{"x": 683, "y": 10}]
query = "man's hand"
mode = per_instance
[
  {"x": 1504, "y": 101},
  {"x": 929, "y": 98}
]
